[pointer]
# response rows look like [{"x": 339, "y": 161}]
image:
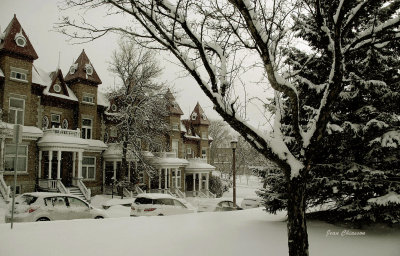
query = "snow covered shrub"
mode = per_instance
[{"x": 218, "y": 186}]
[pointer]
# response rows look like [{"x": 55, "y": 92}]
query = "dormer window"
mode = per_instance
[
  {"x": 57, "y": 88},
  {"x": 88, "y": 98},
  {"x": 114, "y": 107},
  {"x": 203, "y": 116},
  {"x": 73, "y": 68},
  {"x": 20, "y": 40},
  {"x": 89, "y": 69},
  {"x": 19, "y": 74},
  {"x": 194, "y": 116}
]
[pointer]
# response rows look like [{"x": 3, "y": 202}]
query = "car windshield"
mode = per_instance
[
  {"x": 143, "y": 200},
  {"x": 27, "y": 199}
]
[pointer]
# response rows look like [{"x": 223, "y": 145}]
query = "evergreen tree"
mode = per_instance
[{"x": 357, "y": 171}]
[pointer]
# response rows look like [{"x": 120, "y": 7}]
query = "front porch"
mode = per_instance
[{"x": 62, "y": 166}]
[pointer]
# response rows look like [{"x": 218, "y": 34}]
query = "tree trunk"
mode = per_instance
[
  {"x": 296, "y": 224},
  {"x": 124, "y": 162}
]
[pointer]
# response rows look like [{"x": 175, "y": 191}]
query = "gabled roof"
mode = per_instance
[
  {"x": 45, "y": 79},
  {"x": 80, "y": 73},
  {"x": 57, "y": 76},
  {"x": 198, "y": 116},
  {"x": 8, "y": 41},
  {"x": 173, "y": 105}
]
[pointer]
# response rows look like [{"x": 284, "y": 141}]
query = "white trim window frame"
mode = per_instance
[
  {"x": 16, "y": 111},
  {"x": 188, "y": 152},
  {"x": 86, "y": 128},
  {"x": 9, "y": 158},
  {"x": 89, "y": 168},
  {"x": 19, "y": 74},
  {"x": 88, "y": 98},
  {"x": 55, "y": 120},
  {"x": 175, "y": 147},
  {"x": 204, "y": 153},
  {"x": 175, "y": 127},
  {"x": 204, "y": 135}
]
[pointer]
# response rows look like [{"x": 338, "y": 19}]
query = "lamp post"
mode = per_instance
[{"x": 233, "y": 146}]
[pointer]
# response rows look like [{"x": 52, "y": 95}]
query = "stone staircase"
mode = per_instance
[{"x": 77, "y": 192}]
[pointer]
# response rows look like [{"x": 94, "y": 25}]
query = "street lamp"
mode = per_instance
[{"x": 233, "y": 146}]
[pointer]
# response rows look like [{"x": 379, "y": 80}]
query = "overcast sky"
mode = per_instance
[{"x": 38, "y": 17}]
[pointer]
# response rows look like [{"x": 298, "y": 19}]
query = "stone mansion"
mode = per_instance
[{"x": 67, "y": 141}]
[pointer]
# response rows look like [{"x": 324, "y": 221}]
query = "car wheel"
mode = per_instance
[
  {"x": 99, "y": 217},
  {"x": 43, "y": 219}
]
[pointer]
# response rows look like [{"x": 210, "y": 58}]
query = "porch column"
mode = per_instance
[
  {"x": 184, "y": 182},
  {"x": 80, "y": 157},
  {"x": 194, "y": 182},
  {"x": 50, "y": 159},
  {"x": 200, "y": 180},
  {"x": 115, "y": 169},
  {"x": 2, "y": 154},
  {"x": 59, "y": 164},
  {"x": 166, "y": 178},
  {"x": 159, "y": 178},
  {"x": 207, "y": 180},
  {"x": 73, "y": 164},
  {"x": 149, "y": 187},
  {"x": 176, "y": 178},
  {"x": 104, "y": 173},
  {"x": 40, "y": 165}
]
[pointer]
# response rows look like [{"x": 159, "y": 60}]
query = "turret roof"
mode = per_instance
[{"x": 80, "y": 70}]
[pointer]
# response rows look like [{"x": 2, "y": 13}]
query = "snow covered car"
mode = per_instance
[
  {"x": 154, "y": 204},
  {"x": 43, "y": 206},
  {"x": 217, "y": 205},
  {"x": 127, "y": 202},
  {"x": 251, "y": 202}
]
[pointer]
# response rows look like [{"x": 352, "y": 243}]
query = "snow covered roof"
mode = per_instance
[
  {"x": 41, "y": 77},
  {"x": 28, "y": 132},
  {"x": 183, "y": 128},
  {"x": 154, "y": 195},
  {"x": 168, "y": 159},
  {"x": 1, "y": 73},
  {"x": 102, "y": 99},
  {"x": 190, "y": 137},
  {"x": 198, "y": 164},
  {"x": 114, "y": 151}
]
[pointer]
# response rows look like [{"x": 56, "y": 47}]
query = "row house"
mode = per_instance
[{"x": 66, "y": 143}]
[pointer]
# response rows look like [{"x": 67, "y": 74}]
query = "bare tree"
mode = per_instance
[
  {"x": 214, "y": 40},
  {"x": 141, "y": 103}
]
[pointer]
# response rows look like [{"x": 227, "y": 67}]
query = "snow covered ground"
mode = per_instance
[{"x": 247, "y": 232}]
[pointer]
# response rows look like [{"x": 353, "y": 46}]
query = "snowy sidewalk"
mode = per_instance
[{"x": 247, "y": 232}]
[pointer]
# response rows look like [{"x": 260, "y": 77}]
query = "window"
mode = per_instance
[
  {"x": 88, "y": 98},
  {"x": 163, "y": 201},
  {"x": 76, "y": 203},
  {"x": 143, "y": 200},
  {"x": 188, "y": 152},
  {"x": 204, "y": 116},
  {"x": 86, "y": 128},
  {"x": 175, "y": 127},
  {"x": 204, "y": 153},
  {"x": 65, "y": 124},
  {"x": 175, "y": 146},
  {"x": 176, "y": 175},
  {"x": 55, "y": 120},
  {"x": 179, "y": 204},
  {"x": 9, "y": 158},
  {"x": 45, "y": 122},
  {"x": 114, "y": 107},
  {"x": 57, "y": 88},
  {"x": 88, "y": 167},
  {"x": 17, "y": 107},
  {"x": 204, "y": 135},
  {"x": 194, "y": 116},
  {"x": 19, "y": 74},
  {"x": 89, "y": 69},
  {"x": 113, "y": 131},
  {"x": 73, "y": 68},
  {"x": 20, "y": 40}
]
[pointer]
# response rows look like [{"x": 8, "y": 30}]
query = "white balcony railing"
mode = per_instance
[
  {"x": 48, "y": 185},
  {"x": 64, "y": 132}
]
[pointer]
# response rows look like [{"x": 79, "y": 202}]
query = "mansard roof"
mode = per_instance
[
  {"x": 198, "y": 116},
  {"x": 13, "y": 34},
  {"x": 173, "y": 105},
  {"x": 82, "y": 70}
]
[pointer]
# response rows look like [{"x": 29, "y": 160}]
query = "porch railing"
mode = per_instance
[
  {"x": 65, "y": 132},
  {"x": 139, "y": 190},
  {"x": 61, "y": 187},
  {"x": 4, "y": 189},
  {"x": 85, "y": 191},
  {"x": 179, "y": 193},
  {"x": 127, "y": 193},
  {"x": 48, "y": 185}
]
